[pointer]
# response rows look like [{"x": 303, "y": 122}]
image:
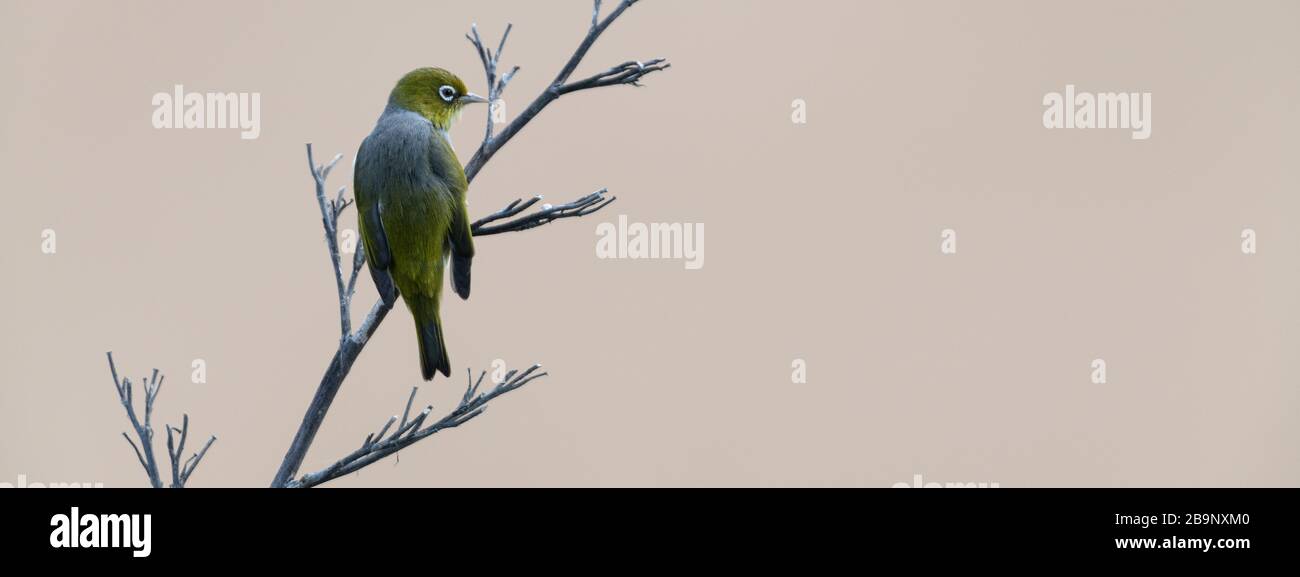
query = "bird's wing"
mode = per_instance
[
  {"x": 377, "y": 243},
  {"x": 452, "y": 185},
  {"x": 462, "y": 248},
  {"x": 369, "y": 220}
]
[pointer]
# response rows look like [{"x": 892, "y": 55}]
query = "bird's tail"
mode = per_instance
[{"x": 433, "y": 350}]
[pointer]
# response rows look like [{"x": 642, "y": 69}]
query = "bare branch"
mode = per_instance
[
  {"x": 629, "y": 73},
  {"x": 581, "y": 207},
  {"x": 144, "y": 451},
  {"x": 406, "y": 413},
  {"x": 193, "y": 461},
  {"x": 358, "y": 261},
  {"x": 329, "y": 213},
  {"x": 174, "y": 450},
  {"x": 376, "y": 447},
  {"x": 340, "y": 203},
  {"x": 387, "y": 425},
  {"x": 496, "y": 86},
  {"x": 137, "y": 452},
  {"x": 622, "y": 74}
]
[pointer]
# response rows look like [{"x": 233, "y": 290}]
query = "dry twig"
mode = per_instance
[{"x": 144, "y": 431}]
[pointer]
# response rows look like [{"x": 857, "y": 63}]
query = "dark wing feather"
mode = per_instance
[{"x": 369, "y": 210}]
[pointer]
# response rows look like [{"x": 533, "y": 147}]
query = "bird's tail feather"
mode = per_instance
[{"x": 433, "y": 350}]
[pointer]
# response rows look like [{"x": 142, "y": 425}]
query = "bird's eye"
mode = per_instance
[{"x": 447, "y": 92}]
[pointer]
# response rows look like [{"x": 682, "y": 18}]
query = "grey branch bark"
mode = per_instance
[
  {"x": 620, "y": 74},
  {"x": 508, "y": 219},
  {"x": 180, "y": 473},
  {"x": 376, "y": 446},
  {"x": 584, "y": 206}
]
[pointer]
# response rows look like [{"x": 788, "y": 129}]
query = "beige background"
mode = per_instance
[{"x": 821, "y": 243}]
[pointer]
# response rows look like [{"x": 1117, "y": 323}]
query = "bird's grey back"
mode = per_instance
[{"x": 396, "y": 154}]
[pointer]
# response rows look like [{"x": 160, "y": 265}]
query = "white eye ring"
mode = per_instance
[{"x": 447, "y": 92}]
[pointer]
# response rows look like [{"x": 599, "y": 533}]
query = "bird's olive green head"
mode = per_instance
[{"x": 433, "y": 93}]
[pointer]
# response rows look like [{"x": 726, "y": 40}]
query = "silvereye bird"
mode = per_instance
[{"x": 410, "y": 195}]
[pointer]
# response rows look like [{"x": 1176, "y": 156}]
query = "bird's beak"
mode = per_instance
[{"x": 470, "y": 98}]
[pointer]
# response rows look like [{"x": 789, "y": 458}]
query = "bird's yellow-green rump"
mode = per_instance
[{"x": 410, "y": 193}]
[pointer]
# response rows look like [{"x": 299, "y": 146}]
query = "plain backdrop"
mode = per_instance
[{"x": 822, "y": 244}]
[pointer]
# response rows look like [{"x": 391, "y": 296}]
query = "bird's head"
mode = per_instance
[{"x": 433, "y": 93}]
